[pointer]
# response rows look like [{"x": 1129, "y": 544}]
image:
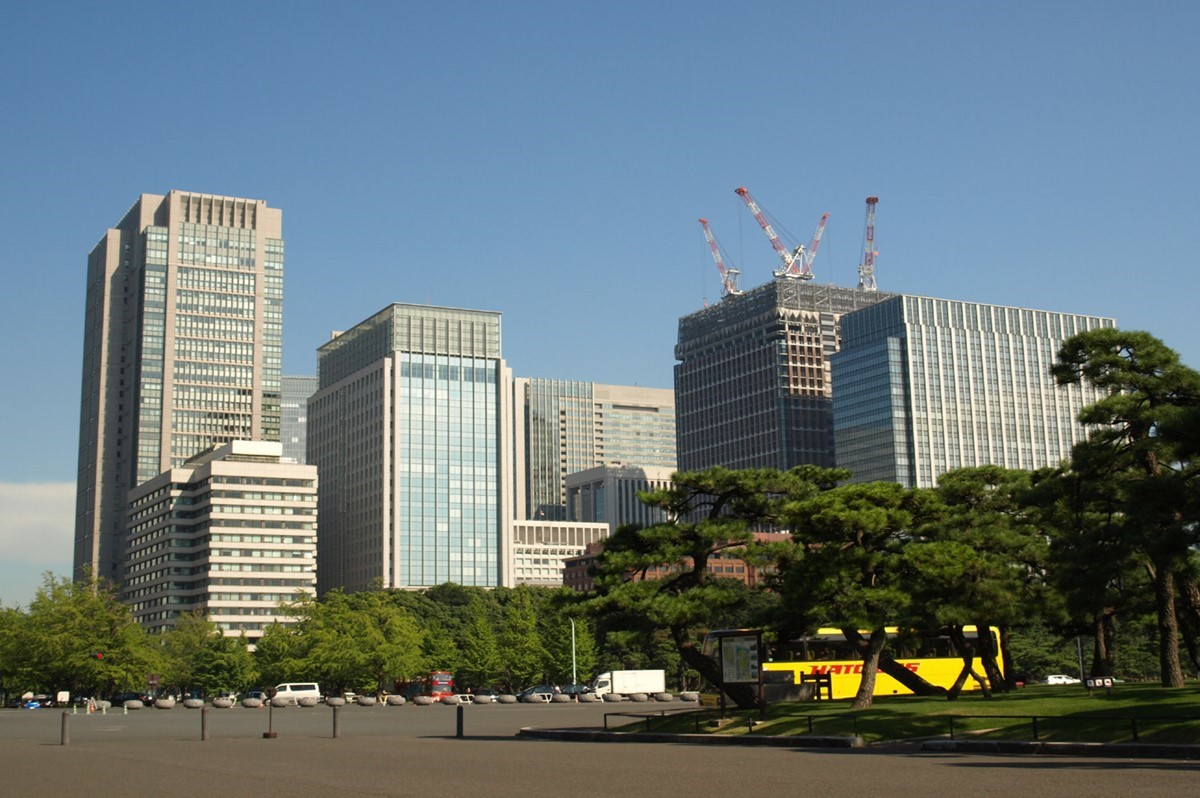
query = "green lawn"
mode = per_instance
[{"x": 1066, "y": 713}]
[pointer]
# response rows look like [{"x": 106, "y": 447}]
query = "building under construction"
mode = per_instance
[{"x": 752, "y": 385}]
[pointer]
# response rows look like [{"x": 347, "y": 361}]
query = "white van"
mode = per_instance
[{"x": 294, "y": 691}]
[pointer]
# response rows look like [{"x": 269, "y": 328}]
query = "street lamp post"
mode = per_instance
[{"x": 574, "y": 680}]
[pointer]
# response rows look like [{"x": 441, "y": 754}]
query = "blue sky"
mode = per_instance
[{"x": 549, "y": 160}]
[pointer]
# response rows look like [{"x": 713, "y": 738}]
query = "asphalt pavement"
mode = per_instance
[{"x": 403, "y": 751}]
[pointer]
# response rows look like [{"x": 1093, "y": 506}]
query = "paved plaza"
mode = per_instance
[{"x": 403, "y": 751}]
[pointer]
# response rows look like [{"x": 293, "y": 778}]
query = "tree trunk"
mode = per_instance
[
  {"x": 908, "y": 678},
  {"x": 1168, "y": 626},
  {"x": 870, "y": 649},
  {"x": 1103, "y": 644},
  {"x": 987, "y": 656},
  {"x": 1188, "y": 608}
]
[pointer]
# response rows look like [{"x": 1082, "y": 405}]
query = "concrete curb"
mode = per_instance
[
  {"x": 598, "y": 736},
  {"x": 1114, "y": 750}
]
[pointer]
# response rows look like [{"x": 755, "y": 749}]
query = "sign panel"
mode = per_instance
[{"x": 739, "y": 659}]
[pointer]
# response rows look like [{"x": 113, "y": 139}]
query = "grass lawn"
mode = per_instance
[{"x": 1063, "y": 713}]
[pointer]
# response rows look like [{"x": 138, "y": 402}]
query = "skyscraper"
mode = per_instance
[
  {"x": 182, "y": 350},
  {"x": 923, "y": 386},
  {"x": 752, "y": 385},
  {"x": 411, "y": 434},
  {"x": 293, "y": 416},
  {"x": 565, "y": 426}
]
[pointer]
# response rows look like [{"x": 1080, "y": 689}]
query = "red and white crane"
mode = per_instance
[
  {"x": 787, "y": 258},
  {"x": 728, "y": 276},
  {"x": 866, "y": 272},
  {"x": 796, "y": 262},
  {"x": 811, "y": 254}
]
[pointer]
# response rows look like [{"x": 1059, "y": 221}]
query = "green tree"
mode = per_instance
[
  {"x": 81, "y": 638},
  {"x": 388, "y": 638},
  {"x": 1135, "y": 443},
  {"x": 710, "y": 512},
  {"x": 480, "y": 663},
  {"x": 978, "y": 560},
  {"x": 522, "y": 655},
  {"x": 848, "y": 570}
]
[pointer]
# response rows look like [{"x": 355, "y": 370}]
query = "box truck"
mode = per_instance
[{"x": 630, "y": 682}]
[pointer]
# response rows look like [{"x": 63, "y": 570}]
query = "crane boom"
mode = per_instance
[
  {"x": 728, "y": 276},
  {"x": 789, "y": 259},
  {"x": 811, "y": 254},
  {"x": 866, "y": 272}
]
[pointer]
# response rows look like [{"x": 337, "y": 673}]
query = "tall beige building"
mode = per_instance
[
  {"x": 182, "y": 350},
  {"x": 565, "y": 426}
]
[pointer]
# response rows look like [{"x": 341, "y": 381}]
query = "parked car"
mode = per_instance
[
  {"x": 1061, "y": 678},
  {"x": 539, "y": 692},
  {"x": 576, "y": 689},
  {"x": 121, "y": 698}
]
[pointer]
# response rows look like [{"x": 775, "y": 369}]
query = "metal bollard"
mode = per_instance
[
  {"x": 459, "y": 733},
  {"x": 336, "y": 731},
  {"x": 66, "y": 728},
  {"x": 203, "y": 723}
]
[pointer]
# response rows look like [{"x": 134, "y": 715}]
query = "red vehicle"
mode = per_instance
[
  {"x": 439, "y": 684},
  {"x": 436, "y": 684}
]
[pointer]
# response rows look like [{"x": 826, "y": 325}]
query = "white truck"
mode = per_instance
[{"x": 630, "y": 682}]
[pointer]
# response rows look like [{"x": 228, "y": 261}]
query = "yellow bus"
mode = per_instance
[{"x": 934, "y": 659}]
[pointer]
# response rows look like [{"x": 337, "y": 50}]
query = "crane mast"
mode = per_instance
[
  {"x": 728, "y": 276},
  {"x": 866, "y": 272},
  {"x": 789, "y": 259}
]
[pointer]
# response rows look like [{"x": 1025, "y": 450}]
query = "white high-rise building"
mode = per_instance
[
  {"x": 232, "y": 533},
  {"x": 922, "y": 386}
]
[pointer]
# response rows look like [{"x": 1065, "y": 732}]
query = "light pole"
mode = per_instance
[{"x": 574, "y": 680}]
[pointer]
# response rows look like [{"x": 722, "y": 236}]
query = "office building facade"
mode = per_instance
[
  {"x": 609, "y": 495},
  {"x": 293, "y": 416},
  {"x": 923, "y": 386},
  {"x": 230, "y": 534},
  {"x": 411, "y": 432},
  {"x": 540, "y": 549},
  {"x": 565, "y": 426},
  {"x": 752, "y": 381},
  {"x": 182, "y": 350}
]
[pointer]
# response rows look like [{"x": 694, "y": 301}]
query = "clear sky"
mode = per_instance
[{"x": 549, "y": 160}]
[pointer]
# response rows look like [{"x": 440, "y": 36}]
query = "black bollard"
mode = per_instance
[
  {"x": 335, "y": 722},
  {"x": 460, "y": 722},
  {"x": 270, "y": 734},
  {"x": 66, "y": 728},
  {"x": 203, "y": 723}
]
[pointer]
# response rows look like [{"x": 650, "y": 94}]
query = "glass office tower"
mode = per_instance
[
  {"x": 411, "y": 435},
  {"x": 752, "y": 385},
  {"x": 922, "y": 386},
  {"x": 182, "y": 351}
]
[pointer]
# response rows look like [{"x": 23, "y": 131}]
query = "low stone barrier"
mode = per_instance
[
  {"x": 613, "y": 697},
  {"x": 193, "y": 703},
  {"x": 396, "y": 701},
  {"x": 689, "y": 695},
  {"x": 587, "y": 698},
  {"x": 279, "y": 702},
  {"x": 451, "y": 700},
  {"x": 559, "y": 698},
  {"x": 365, "y": 700},
  {"x": 252, "y": 703},
  {"x": 307, "y": 701},
  {"x": 222, "y": 703},
  {"x": 507, "y": 698},
  {"x": 483, "y": 699},
  {"x": 422, "y": 700},
  {"x": 164, "y": 703},
  {"x": 335, "y": 701},
  {"x": 133, "y": 704},
  {"x": 663, "y": 697}
]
